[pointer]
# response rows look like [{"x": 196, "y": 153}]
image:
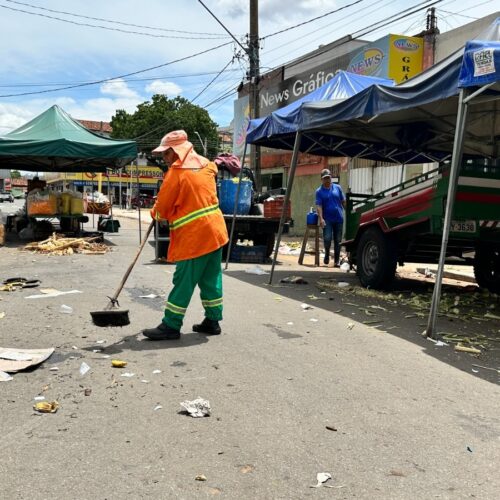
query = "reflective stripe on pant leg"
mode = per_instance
[
  {"x": 211, "y": 286},
  {"x": 186, "y": 276}
]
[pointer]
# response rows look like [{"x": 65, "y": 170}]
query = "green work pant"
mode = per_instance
[{"x": 204, "y": 271}]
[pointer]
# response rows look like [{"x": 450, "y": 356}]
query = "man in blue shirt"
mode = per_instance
[{"x": 330, "y": 203}]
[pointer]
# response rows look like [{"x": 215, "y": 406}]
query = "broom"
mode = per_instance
[{"x": 112, "y": 315}]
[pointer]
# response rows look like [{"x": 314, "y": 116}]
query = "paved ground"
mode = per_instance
[{"x": 412, "y": 420}]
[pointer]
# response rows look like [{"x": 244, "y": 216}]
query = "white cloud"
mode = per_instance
[
  {"x": 170, "y": 89},
  {"x": 118, "y": 88}
]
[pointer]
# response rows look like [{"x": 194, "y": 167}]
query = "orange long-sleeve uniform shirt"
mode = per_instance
[{"x": 188, "y": 200}]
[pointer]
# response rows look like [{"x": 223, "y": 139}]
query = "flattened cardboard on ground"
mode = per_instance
[{"x": 14, "y": 360}]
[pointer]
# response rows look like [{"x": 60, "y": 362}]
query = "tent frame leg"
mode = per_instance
[
  {"x": 291, "y": 175},
  {"x": 456, "y": 161}
]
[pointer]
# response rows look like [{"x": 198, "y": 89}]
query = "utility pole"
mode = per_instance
[{"x": 254, "y": 77}]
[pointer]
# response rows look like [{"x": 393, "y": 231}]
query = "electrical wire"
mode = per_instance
[
  {"x": 311, "y": 20},
  {"x": 211, "y": 81},
  {"x": 115, "y": 22},
  {"x": 96, "y": 82},
  {"x": 141, "y": 33}
]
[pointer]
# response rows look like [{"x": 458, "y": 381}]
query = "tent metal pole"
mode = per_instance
[
  {"x": 289, "y": 186},
  {"x": 138, "y": 199},
  {"x": 456, "y": 160},
  {"x": 235, "y": 207}
]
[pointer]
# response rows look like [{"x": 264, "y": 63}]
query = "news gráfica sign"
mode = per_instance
[{"x": 393, "y": 56}]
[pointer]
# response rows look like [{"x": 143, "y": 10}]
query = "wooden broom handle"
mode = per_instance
[{"x": 129, "y": 270}]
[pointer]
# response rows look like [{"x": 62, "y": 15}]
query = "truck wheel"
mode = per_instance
[
  {"x": 487, "y": 268},
  {"x": 376, "y": 259}
]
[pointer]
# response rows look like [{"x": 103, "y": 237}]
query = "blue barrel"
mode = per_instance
[
  {"x": 312, "y": 219},
  {"x": 227, "y": 195}
]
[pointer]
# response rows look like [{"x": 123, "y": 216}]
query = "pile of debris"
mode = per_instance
[{"x": 60, "y": 245}]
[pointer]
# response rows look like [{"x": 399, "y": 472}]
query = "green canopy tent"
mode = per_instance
[{"x": 55, "y": 142}]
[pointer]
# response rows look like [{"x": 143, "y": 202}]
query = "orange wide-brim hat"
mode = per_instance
[{"x": 178, "y": 141}]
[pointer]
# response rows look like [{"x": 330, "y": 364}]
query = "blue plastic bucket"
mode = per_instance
[
  {"x": 227, "y": 195},
  {"x": 312, "y": 219}
]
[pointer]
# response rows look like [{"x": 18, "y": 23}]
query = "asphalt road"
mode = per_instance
[{"x": 411, "y": 420}]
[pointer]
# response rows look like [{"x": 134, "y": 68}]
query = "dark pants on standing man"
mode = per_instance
[{"x": 332, "y": 232}]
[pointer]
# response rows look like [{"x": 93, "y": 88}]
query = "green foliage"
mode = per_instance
[
  {"x": 15, "y": 174},
  {"x": 153, "y": 119}
]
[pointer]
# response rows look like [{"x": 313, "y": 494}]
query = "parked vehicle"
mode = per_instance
[
  {"x": 405, "y": 223},
  {"x": 144, "y": 201},
  {"x": 7, "y": 197}
]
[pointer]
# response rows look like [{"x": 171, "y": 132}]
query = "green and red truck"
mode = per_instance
[{"x": 405, "y": 224}]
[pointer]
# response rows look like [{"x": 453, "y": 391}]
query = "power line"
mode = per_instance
[
  {"x": 113, "y": 21},
  {"x": 163, "y": 77},
  {"x": 96, "y": 82},
  {"x": 311, "y": 20},
  {"x": 220, "y": 22},
  {"x": 141, "y": 33},
  {"x": 211, "y": 81}
]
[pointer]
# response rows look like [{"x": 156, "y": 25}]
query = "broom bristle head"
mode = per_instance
[{"x": 110, "y": 318}]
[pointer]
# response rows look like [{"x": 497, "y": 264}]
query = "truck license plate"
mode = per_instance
[{"x": 463, "y": 226}]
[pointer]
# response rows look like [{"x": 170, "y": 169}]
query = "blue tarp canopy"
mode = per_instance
[
  {"x": 408, "y": 123},
  {"x": 287, "y": 120}
]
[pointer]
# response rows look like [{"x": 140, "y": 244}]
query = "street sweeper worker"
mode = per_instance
[{"x": 188, "y": 200}]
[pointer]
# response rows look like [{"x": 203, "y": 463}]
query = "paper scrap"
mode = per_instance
[
  {"x": 197, "y": 408},
  {"x": 5, "y": 377},
  {"x": 150, "y": 296},
  {"x": 54, "y": 293},
  {"x": 321, "y": 478},
  {"x": 84, "y": 368}
]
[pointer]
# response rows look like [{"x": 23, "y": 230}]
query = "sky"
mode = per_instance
[{"x": 46, "y": 45}]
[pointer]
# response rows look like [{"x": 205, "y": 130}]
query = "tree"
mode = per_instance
[
  {"x": 153, "y": 119},
  {"x": 15, "y": 174}
]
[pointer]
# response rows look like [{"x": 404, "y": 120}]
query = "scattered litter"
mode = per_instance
[
  {"x": 350, "y": 326},
  {"x": 345, "y": 266},
  {"x": 469, "y": 449},
  {"x": 2, "y": 315},
  {"x": 13, "y": 360},
  {"x": 247, "y": 468},
  {"x": 397, "y": 473},
  {"x": 294, "y": 280},
  {"x": 150, "y": 296},
  {"x": 118, "y": 363},
  {"x": 39, "y": 398},
  {"x": 331, "y": 428},
  {"x": 144, "y": 381},
  {"x": 127, "y": 374},
  {"x": 105, "y": 356},
  {"x": 197, "y": 408},
  {"x": 314, "y": 320},
  {"x": 66, "y": 309},
  {"x": 290, "y": 323},
  {"x": 438, "y": 343},
  {"x": 4, "y": 377},
  {"x": 474, "y": 370},
  {"x": 84, "y": 368},
  {"x": 157, "y": 407},
  {"x": 343, "y": 284},
  {"x": 305, "y": 307},
  {"x": 155, "y": 372},
  {"x": 462, "y": 348},
  {"x": 256, "y": 270},
  {"x": 74, "y": 347},
  {"x": 96, "y": 350},
  {"x": 487, "y": 368},
  {"x": 87, "y": 392},
  {"x": 53, "y": 293},
  {"x": 46, "y": 407},
  {"x": 200, "y": 477},
  {"x": 100, "y": 341},
  {"x": 491, "y": 316},
  {"x": 321, "y": 478},
  {"x": 59, "y": 245},
  {"x": 54, "y": 369},
  {"x": 278, "y": 299}
]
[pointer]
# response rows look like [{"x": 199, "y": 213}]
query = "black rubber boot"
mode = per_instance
[
  {"x": 326, "y": 259},
  {"x": 162, "y": 332},
  {"x": 208, "y": 326}
]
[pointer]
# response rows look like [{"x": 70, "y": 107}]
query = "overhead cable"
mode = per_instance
[
  {"x": 96, "y": 82},
  {"x": 141, "y": 33},
  {"x": 113, "y": 21}
]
